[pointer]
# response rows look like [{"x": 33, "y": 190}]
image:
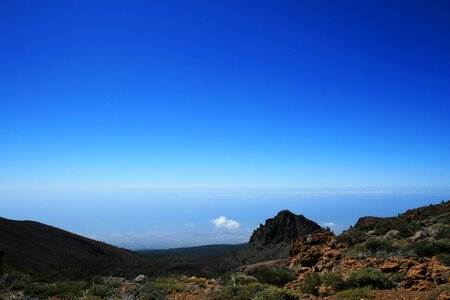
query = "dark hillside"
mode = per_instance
[{"x": 38, "y": 247}]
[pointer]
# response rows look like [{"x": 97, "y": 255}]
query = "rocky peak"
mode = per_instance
[{"x": 284, "y": 227}]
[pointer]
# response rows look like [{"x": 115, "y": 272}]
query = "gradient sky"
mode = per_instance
[{"x": 102, "y": 95}]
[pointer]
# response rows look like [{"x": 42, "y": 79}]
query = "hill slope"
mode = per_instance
[{"x": 35, "y": 246}]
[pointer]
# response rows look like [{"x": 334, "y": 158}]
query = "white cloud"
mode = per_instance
[
  {"x": 329, "y": 224},
  {"x": 223, "y": 222}
]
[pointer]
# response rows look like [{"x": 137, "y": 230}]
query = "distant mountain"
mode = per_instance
[
  {"x": 38, "y": 247},
  {"x": 271, "y": 240},
  {"x": 197, "y": 251},
  {"x": 284, "y": 227}
]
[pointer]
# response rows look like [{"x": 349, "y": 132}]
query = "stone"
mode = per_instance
[
  {"x": 389, "y": 267},
  {"x": 392, "y": 234},
  {"x": 445, "y": 295},
  {"x": 416, "y": 237},
  {"x": 140, "y": 279}
]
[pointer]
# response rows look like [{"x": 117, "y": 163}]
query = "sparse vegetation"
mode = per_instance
[
  {"x": 311, "y": 284},
  {"x": 164, "y": 285},
  {"x": 352, "y": 236},
  {"x": 342, "y": 280},
  {"x": 276, "y": 294},
  {"x": 354, "y": 294},
  {"x": 60, "y": 289},
  {"x": 277, "y": 276},
  {"x": 239, "y": 292},
  {"x": 369, "y": 277}
]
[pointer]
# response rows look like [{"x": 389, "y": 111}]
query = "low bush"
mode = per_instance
[
  {"x": 384, "y": 225},
  {"x": 375, "y": 245},
  {"x": 354, "y": 294},
  {"x": 100, "y": 290},
  {"x": 369, "y": 277},
  {"x": 396, "y": 277},
  {"x": 444, "y": 258},
  {"x": 60, "y": 289},
  {"x": 238, "y": 292},
  {"x": 164, "y": 285},
  {"x": 276, "y": 294},
  {"x": 241, "y": 279},
  {"x": 342, "y": 280},
  {"x": 311, "y": 284},
  {"x": 352, "y": 237},
  {"x": 278, "y": 276},
  {"x": 335, "y": 280},
  {"x": 440, "y": 247},
  {"x": 14, "y": 280}
]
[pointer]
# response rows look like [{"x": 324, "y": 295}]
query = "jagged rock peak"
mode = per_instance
[{"x": 284, "y": 227}]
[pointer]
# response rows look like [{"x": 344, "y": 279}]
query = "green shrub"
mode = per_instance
[
  {"x": 276, "y": 294},
  {"x": 164, "y": 285},
  {"x": 61, "y": 289},
  {"x": 375, "y": 245},
  {"x": 396, "y": 277},
  {"x": 14, "y": 280},
  {"x": 335, "y": 280},
  {"x": 354, "y": 294},
  {"x": 352, "y": 237},
  {"x": 369, "y": 277},
  {"x": 439, "y": 248},
  {"x": 384, "y": 225},
  {"x": 241, "y": 279},
  {"x": 422, "y": 249},
  {"x": 277, "y": 276},
  {"x": 238, "y": 292},
  {"x": 100, "y": 290},
  {"x": 311, "y": 284},
  {"x": 442, "y": 246},
  {"x": 153, "y": 295},
  {"x": 444, "y": 258}
]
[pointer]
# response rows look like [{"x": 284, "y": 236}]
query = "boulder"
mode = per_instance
[
  {"x": 392, "y": 234},
  {"x": 419, "y": 235},
  {"x": 140, "y": 279}
]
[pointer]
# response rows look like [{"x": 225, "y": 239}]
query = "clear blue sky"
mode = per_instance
[
  {"x": 137, "y": 94},
  {"x": 315, "y": 93}
]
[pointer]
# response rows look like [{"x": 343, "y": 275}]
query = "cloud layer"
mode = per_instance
[{"x": 223, "y": 222}]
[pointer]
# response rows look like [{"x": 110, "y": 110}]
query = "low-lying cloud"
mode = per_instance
[
  {"x": 224, "y": 222},
  {"x": 329, "y": 224}
]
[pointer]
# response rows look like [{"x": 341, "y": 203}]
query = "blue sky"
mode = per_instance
[{"x": 222, "y": 94}]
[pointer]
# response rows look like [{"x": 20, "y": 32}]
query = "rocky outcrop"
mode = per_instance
[
  {"x": 284, "y": 227},
  {"x": 315, "y": 252},
  {"x": 365, "y": 222},
  {"x": 322, "y": 253},
  {"x": 271, "y": 241}
]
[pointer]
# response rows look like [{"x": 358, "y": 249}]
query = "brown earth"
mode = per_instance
[{"x": 322, "y": 253}]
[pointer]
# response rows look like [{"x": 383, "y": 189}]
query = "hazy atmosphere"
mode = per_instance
[{"x": 149, "y": 218}]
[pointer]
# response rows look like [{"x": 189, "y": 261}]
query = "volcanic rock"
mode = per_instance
[{"x": 284, "y": 227}]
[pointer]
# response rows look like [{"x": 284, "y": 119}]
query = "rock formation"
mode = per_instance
[{"x": 284, "y": 227}]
